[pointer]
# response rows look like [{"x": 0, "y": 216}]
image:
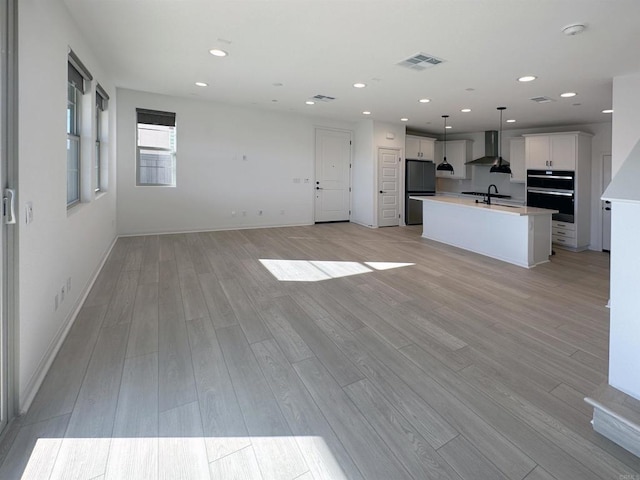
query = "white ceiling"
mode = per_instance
[{"x": 323, "y": 47}]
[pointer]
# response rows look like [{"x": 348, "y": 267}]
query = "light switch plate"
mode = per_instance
[{"x": 28, "y": 210}]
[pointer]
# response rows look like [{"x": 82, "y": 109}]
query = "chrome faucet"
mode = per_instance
[{"x": 489, "y": 193}]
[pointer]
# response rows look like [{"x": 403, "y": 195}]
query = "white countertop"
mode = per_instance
[{"x": 470, "y": 203}]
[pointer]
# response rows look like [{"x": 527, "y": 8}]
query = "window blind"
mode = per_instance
[
  {"x": 101, "y": 97},
  {"x": 79, "y": 76},
  {"x": 155, "y": 117}
]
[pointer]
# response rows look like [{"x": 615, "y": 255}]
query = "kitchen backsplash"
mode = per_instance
[{"x": 481, "y": 178}]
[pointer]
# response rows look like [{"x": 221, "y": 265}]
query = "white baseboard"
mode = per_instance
[
  {"x": 217, "y": 229},
  {"x": 29, "y": 392}
]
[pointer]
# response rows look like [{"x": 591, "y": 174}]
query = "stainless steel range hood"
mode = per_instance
[{"x": 491, "y": 157}]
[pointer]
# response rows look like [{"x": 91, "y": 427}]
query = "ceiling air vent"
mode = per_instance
[
  {"x": 323, "y": 98},
  {"x": 542, "y": 99},
  {"x": 420, "y": 61}
]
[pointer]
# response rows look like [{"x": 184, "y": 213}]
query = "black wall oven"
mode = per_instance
[{"x": 553, "y": 189}]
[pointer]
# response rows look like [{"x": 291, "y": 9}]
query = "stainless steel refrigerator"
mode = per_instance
[{"x": 420, "y": 179}]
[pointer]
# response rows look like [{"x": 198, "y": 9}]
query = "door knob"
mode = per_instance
[
  {"x": 607, "y": 208},
  {"x": 382, "y": 191},
  {"x": 318, "y": 188}
]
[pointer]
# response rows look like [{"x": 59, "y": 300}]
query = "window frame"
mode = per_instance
[
  {"x": 79, "y": 83},
  {"x": 102, "y": 104},
  {"x": 73, "y": 136},
  {"x": 161, "y": 119}
]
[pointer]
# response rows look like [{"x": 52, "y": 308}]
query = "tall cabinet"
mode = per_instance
[{"x": 566, "y": 151}]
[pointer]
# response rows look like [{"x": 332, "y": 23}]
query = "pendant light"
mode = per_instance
[
  {"x": 500, "y": 166},
  {"x": 445, "y": 166}
]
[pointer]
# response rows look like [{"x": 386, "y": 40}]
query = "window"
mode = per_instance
[
  {"x": 156, "y": 150},
  {"x": 101, "y": 106},
  {"x": 79, "y": 80}
]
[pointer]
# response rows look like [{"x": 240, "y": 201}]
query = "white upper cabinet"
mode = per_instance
[
  {"x": 517, "y": 160},
  {"x": 458, "y": 153},
  {"x": 551, "y": 151},
  {"x": 419, "y": 148}
]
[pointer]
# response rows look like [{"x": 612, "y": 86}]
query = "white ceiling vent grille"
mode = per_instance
[
  {"x": 542, "y": 99},
  {"x": 323, "y": 98},
  {"x": 420, "y": 61}
]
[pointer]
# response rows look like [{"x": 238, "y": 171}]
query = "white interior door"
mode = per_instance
[
  {"x": 333, "y": 176},
  {"x": 388, "y": 187},
  {"x": 606, "y": 205}
]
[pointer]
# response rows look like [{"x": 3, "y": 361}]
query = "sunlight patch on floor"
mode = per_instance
[
  {"x": 143, "y": 458},
  {"x": 318, "y": 270}
]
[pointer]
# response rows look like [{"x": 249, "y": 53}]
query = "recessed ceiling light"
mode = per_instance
[
  {"x": 359, "y": 85},
  {"x": 216, "y": 52},
  {"x": 448, "y": 127},
  {"x": 465, "y": 110},
  {"x": 470, "y": 89},
  {"x": 202, "y": 84},
  {"x": 511, "y": 120},
  {"x": 366, "y": 112},
  {"x": 310, "y": 102},
  {"x": 607, "y": 111},
  {"x": 425, "y": 100},
  {"x": 527, "y": 78},
  {"x": 404, "y": 119},
  {"x": 278, "y": 84},
  {"x": 568, "y": 94}
]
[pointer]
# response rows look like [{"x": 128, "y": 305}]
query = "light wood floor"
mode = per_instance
[{"x": 190, "y": 359}]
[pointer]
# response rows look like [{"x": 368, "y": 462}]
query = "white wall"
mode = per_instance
[
  {"x": 371, "y": 136},
  {"x": 363, "y": 211},
  {"x": 58, "y": 244},
  {"x": 601, "y": 144},
  {"x": 229, "y": 159},
  {"x": 624, "y": 335},
  {"x": 626, "y": 118}
]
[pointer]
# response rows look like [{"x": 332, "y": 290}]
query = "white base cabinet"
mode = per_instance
[{"x": 458, "y": 153}]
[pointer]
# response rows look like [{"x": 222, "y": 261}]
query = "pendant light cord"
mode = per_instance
[
  {"x": 445, "y": 137},
  {"x": 500, "y": 139}
]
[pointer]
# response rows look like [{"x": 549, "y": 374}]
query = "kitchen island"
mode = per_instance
[{"x": 514, "y": 234}]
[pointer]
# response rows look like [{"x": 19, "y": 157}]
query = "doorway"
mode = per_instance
[
  {"x": 606, "y": 204},
  {"x": 333, "y": 176},
  {"x": 388, "y": 187},
  {"x": 8, "y": 163}
]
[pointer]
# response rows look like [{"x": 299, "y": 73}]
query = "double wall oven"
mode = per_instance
[{"x": 553, "y": 189}]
